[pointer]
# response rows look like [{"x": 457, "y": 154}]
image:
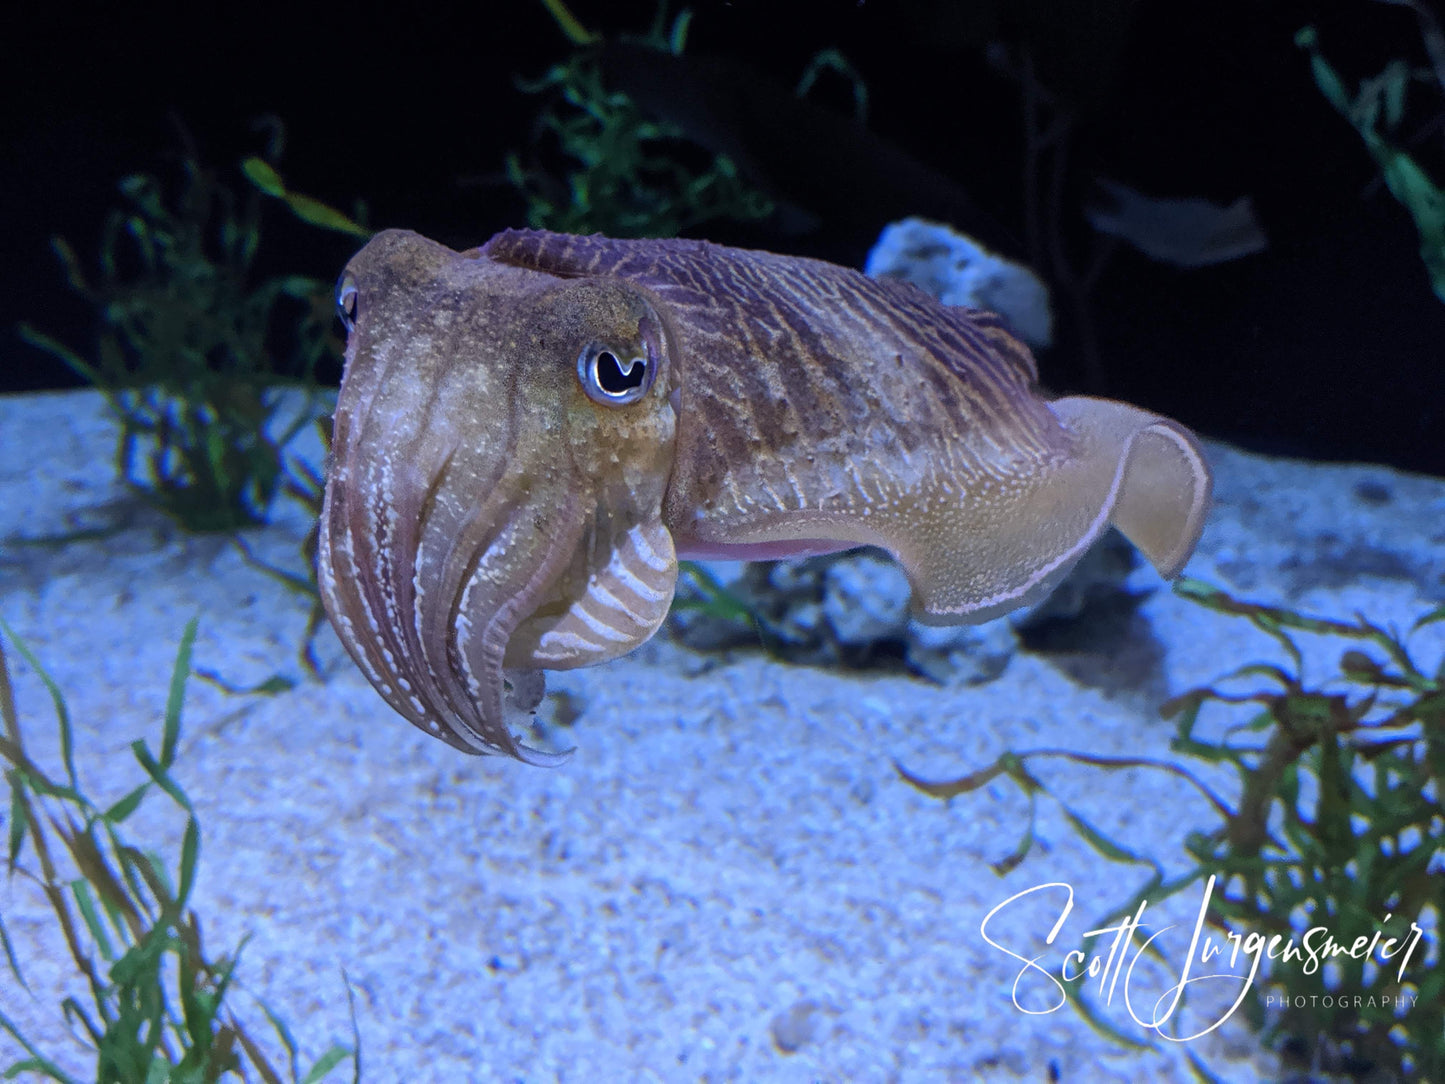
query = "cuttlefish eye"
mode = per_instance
[
  {"x": 346, "y": 301},
  {"x": 611, "y": 381}
]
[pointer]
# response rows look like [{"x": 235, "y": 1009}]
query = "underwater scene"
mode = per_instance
[{"x": 821, "y": 542}]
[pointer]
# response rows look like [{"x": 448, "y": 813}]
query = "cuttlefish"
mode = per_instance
[{"x": 531, "y": 434}]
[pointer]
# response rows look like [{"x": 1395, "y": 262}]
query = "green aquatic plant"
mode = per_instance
[
  {"x": 706, "y": 594},
  {"x": 1375, "y": 112},
  {"x": 308, "y": 209},
  {"x": 305, "y": 485},
  {"x": 1338, "y": 823},
  {"x": 192, "y": 348},
  {"x": 626, "y": 175},
  {"x": 701, "y": 594},
  {"x": 161, "y": 1007},
  {"x": 833, "y": 60}
]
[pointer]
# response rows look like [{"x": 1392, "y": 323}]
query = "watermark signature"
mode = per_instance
[{"x": 1310, "y": 951}]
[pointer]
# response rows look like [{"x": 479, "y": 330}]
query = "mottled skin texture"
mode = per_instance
[{"x": 489, "y": 515}]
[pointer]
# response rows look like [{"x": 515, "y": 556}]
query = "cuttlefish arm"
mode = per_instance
[
  {"x": 820, "y": 409},
  {"x": 486, "y": 517}
]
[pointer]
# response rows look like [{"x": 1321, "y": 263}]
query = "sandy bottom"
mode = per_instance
[{"x": 728, "y": 880}]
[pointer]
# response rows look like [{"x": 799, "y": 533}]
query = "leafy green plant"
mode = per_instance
[
  {"x": 630, "y": 176},
  {"x": 308, "y": 209},
  {"x": 1338, "y": 821},
  {"x": 191, "y": 348},
  {"x": 1375, "y": 113},
  {"x": 161, "y": 1007},
  {"x": 308, "y": 488},
  {"x": 303, "y": 483},
  {"x": 700, "y": 592}
]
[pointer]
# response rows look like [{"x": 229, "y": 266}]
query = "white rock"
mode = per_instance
[{"x": 957, "y": 270}]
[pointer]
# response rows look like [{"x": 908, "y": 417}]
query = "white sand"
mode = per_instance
[{"x": 729, "y": 859}]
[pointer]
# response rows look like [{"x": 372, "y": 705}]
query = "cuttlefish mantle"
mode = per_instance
[{"x": 531, "y": 434}]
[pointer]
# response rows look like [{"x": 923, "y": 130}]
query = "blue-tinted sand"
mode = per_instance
[{"x": 728, "y": 880}]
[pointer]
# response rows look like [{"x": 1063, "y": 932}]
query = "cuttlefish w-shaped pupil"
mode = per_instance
[{"x": 612, "y": 379}]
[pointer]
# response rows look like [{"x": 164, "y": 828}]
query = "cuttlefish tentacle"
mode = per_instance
[
  {"x": 428, "y": 552},
  {"x": 530, "y": 434}
]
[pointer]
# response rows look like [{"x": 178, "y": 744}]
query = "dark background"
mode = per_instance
[{"x": 1329, "y": 344}]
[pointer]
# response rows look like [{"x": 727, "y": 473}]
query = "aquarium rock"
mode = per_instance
[
  {"x": 849, "y": 609},
  {"x": 957, "y": 270},
  {"x": 962, "y": 654},
  {"x": 865, "y": 598}
]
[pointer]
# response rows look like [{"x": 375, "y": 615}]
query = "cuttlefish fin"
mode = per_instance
[
  {"x": 1009, "y": 543},
  {"x": 622, "y": 604},
  {"x": 1164, "y": 494}
]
